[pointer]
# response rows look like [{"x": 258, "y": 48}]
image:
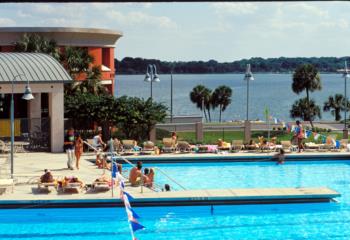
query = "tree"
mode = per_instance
[
  {"x": 201, "y": 96},
  {"x": 37, "y": 44},
  {"x": 76, "y": 60},
  {"x": 306, "y": 77},
  {"x": 135, "y": 117},
  {"x": 336, "y": 104},
  {"x": 300, "y": 110},
  {"x": 222, "y": 98},
  {"x": 92, "y": 84}
]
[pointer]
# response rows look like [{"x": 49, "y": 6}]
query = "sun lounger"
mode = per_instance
[
  {"x": 130, "y": 147},
  {"x": 311, "y": 146},
  {"x": 169, "y": 145},
  {"x": 5, "y": 183},
  {"x": 237, "y": 145},
  {"x": 47, "y": 186},
  {"x": 287, "y": 146},
  {"x": 148, "y": 148},
  {"x": 3, "y": 147},
  {"x": 101, "y": 186},
  {"x": 207, "y": 149},
  {"x": 344, "y": 144},
  {"x": 72, "y": 187},
  {"x": 183, "y": 147}
]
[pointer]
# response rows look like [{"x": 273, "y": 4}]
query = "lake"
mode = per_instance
[{"x": 271, "y": 90}]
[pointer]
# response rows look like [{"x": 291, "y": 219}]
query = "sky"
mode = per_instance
[{"x": 223, "y": 31}]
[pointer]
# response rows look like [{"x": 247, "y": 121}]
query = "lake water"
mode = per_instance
[{"x": 271, "y": 90}]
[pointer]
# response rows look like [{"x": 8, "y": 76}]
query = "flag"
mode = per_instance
[
  {"x": 136, "y": 226},
  {"x": 114, "y": 169}
]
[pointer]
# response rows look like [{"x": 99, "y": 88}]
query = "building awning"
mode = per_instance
[{"x": 36, "y": 67}]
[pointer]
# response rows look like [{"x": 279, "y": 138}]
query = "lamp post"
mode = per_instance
[
  {"x": 151, "y": 76},
  {"x": 171, "y": 96},
  {"x": 26, "y": 96},
  {"x": 346, "y": 75},
  {"x": 248, "y": 76}
]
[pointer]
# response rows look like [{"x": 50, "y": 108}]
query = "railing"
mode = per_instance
[{"x": 132, "y": 165}]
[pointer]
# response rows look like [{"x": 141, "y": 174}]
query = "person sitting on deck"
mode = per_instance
[{"x": 135, "y": 174}]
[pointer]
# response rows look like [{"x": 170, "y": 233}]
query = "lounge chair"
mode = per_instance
[
  {"x": 130, "y": 147},
  {"x": 169, "y": 145},
  {"x": 329, "y": 145},
  {"x": 183, "y": 147},
  {"x": 6, "y": 183},
  {"x": 101, "y": 186},
  {"x": 3, "y": 147},
  {"x": 148, "y": 148},
  {"x": 223, "y": 146},
  {"x": 47, "y": 186},
  {"x": 237, "y": 145},
  {"x": 344, "y": 144},
  {"x": 207, "y": 149},
  {"x": 287, "y": 146},
  {"x": 311, "y": 146},
  {"x": 69, "y": 185}
]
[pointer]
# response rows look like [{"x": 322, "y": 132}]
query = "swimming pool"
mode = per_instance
[{"x": 284, "y": 221}]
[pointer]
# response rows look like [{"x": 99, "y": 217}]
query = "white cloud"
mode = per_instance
[
  {"x": 235, "y": 8},
  {"x": 7, "y": 22},
  {"x": 135, "y": 18}
]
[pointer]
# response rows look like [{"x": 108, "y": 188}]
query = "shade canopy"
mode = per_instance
[{"x": 35, "y": 67}]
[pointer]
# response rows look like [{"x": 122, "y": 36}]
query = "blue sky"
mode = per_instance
[{"x": 222, "y": 31}]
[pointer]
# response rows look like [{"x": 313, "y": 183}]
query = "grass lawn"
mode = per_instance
[{"x": 211, "y": 137}]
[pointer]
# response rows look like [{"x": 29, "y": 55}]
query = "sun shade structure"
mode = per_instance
[
  {"x": 37, "y": 67},
  {"x": 46, "y": 77}
]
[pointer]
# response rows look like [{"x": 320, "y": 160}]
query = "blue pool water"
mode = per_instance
[{"x": 285, "y": 221}]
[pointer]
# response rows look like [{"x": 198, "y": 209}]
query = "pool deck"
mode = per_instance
[{"x": 29, "y": 166}]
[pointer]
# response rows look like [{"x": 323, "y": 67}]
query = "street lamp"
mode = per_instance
[
  {"x": 151, "y": 76},
  {"x": 247, "y": 77},
  {"x": 346, "y": 75},
  {"x": 26, "y": 96}
]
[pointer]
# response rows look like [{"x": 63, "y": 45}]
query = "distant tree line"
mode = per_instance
[{"x": 130, "y": 65}]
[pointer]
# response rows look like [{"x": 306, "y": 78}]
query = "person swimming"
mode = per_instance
[{"x": 279, "y": 156}]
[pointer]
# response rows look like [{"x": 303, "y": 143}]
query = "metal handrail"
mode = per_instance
[{"x": 133, "y": 165}]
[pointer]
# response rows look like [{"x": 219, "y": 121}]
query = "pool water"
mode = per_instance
[{"x": 277, "y": 221}]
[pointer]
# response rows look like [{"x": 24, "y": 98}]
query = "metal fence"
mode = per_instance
[{"x": 34, "y": 131}]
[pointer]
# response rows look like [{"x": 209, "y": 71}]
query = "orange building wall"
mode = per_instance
[{"x": 102, "y": 56}]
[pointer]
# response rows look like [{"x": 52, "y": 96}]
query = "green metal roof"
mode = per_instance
[{"x": 36, "y": 67}]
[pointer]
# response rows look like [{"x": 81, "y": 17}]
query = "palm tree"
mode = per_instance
[
  {"x": 221, "y": 98},
  {"x": 337, "y": 104},
  {"x": 37, "y": 44},
  {"x": 306, "y": 77},
  {"x": 92, "y": 84},
  {"x": 76, "y": 60},
  {"x": 201, "y": 96},
  {"x": 305, "y": 109}
]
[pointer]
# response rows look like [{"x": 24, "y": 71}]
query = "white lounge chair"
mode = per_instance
[{"x": 5, "y": 183}]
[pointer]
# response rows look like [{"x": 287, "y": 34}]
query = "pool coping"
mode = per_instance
[
  {"x": 232, "y": 157},
  {"x": 190, "y": 198}
]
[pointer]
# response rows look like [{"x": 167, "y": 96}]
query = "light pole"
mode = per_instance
[
  {"x": 171, "y": 96},
  {"x": 151, "y": 76},
  {"x": 26, "y": 96},
  {"x": 346, "y": 75},
  {"x": 248, "y": 76}
]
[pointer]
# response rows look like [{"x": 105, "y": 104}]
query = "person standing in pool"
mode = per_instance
[
  {"x": 69, "y": 141},
  {"x": 299, "y": 135}
]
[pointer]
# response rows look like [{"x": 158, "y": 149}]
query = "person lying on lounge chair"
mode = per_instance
[
  {"x": 67, "y": 181},
  {"x": 47, "y": 177}
]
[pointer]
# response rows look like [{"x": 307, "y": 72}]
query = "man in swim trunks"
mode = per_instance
[{"x": 135, "y": 174}]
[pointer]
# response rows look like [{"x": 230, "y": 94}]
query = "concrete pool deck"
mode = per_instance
[{"x": 29, "y": 166}]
